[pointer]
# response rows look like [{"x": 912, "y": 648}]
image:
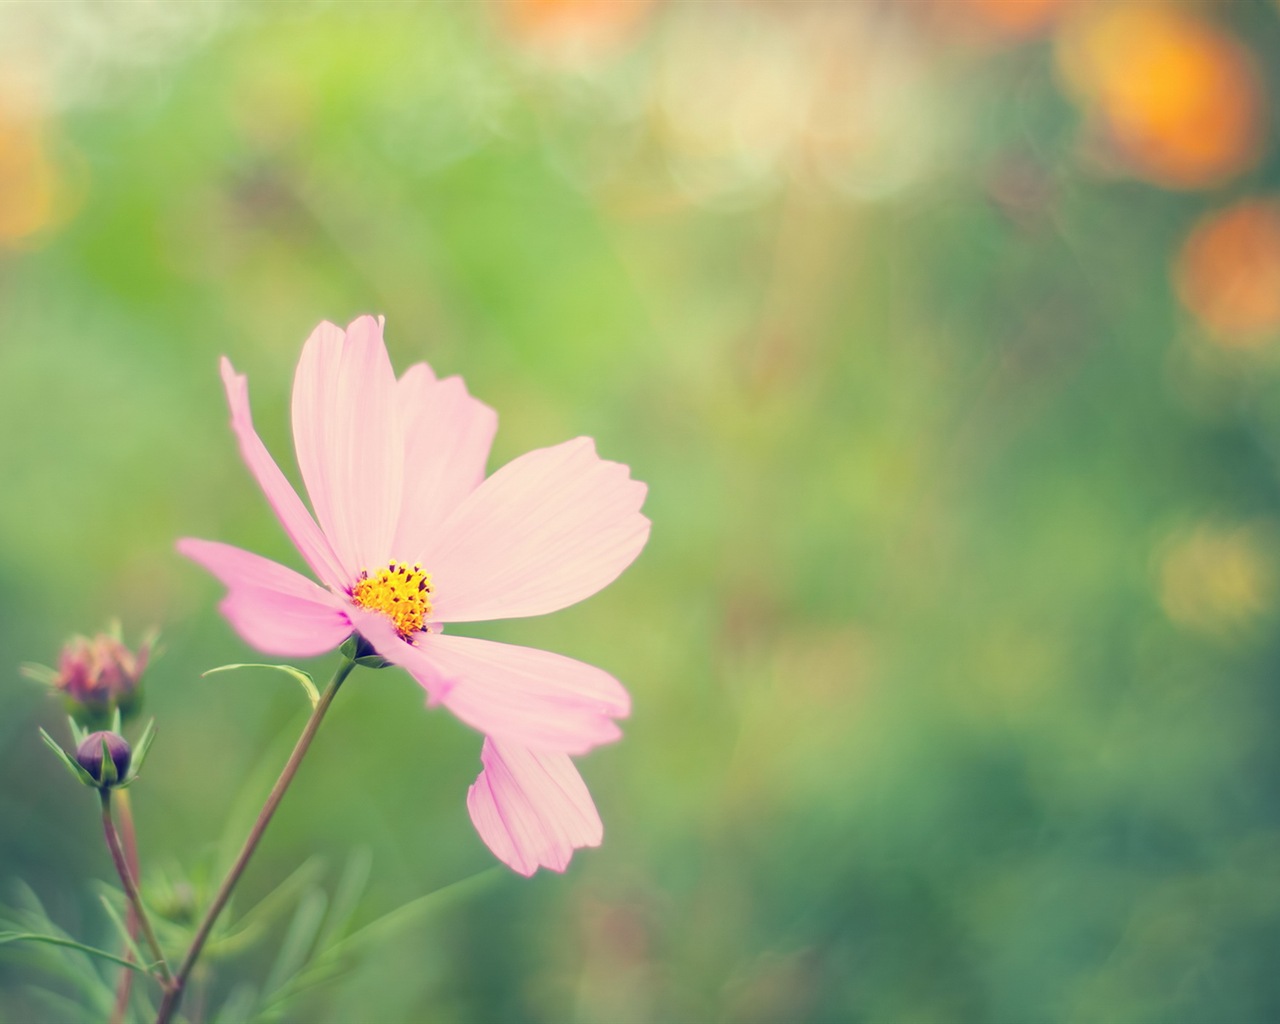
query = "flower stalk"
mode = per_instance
[
  {"x": 131, "y": 887},
  {"x": 130, "y": 838},
  {"x": 174, "y": 990}
]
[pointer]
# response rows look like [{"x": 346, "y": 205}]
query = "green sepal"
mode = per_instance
[
  {"x": 78, "y": 732},
  {"x": 109, "y": 774},
  {"x": 140, "y": 753},
  {"x": 302, "y": 678},
  {"x": 356, "y": 648},
  {"x": 72, "y": 765}
]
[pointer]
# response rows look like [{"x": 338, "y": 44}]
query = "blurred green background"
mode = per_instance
[{"x": 944, "y": 334}]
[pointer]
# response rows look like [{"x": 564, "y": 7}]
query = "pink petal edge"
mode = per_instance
[
  {"x": 527, "y": 696},
  {"x": 349, "y": 441},
  {"x": 273, "y": 608},
  {"x": 519, "y": 695},
  {"x": 548, "y": 529},
  {"x": 531, "y": 808},
  {"x": 448, "y": 435},
  {"x": 283, "y": 499}
]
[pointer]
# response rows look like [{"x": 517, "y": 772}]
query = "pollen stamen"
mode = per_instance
[{"x": 401, "y": 593}]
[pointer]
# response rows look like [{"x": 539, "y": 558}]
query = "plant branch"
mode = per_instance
[
  {"x": 173, "y": 994},
  {"x": 130, "y": 886},
  {"x": 130, "y": 837}
]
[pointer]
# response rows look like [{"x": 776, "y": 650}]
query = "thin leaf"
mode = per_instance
[
  {"x": 319, "y": 972},
  {"x": 326, "y": 962},
  {"x": 62, "y": 1009},
  {"x": 239, "y": 1005},
  {"x": 298, "y": 940},
  {"x": 78, "y": 970},
  {"x": 75, "y": 969},
  {"x": 141, "y": 749},
  {"x": 407, "y": 913},
  {"x": 54, "y": 940},
  {"x": 346, "y": 895},
  {"x": 144, "y": 1008},
  {"x": 72, "y": 765},
  {"x": 40, "y": 673},
  {"x": 257, "y": 917},
  {"x": 28, "y": 900},
  {"x": 129, "y": 943},
  {"x": 302, "y": 678}
]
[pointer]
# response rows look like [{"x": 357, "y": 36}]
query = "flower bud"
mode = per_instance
[
  {"x": 89, "y": 756},
  {"x": 96, "y": 676}
]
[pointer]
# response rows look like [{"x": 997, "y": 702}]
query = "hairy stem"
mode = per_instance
[
  {"x": 130, "y": 886},
  {"x": 173, "y": 994}
]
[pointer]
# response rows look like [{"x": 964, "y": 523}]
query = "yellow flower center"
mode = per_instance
[{"x": 401, "y": 593}]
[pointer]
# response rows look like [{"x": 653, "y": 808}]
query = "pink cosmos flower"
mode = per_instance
[{"x": 408, "y": 534}]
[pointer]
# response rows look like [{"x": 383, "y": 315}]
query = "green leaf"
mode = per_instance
[
  {"x": 325, "y": 963},
  {"x": 140, "y": 751},
  {"x": 69, "y": 965},
  {"x": 122, "y": 928},
  {"x": 62, "y": 1008},
  {"x": 407, "y": 913},
  {"x": 239, "y": 1006},
  {"x": 260, "y": 915},
  {"x": 40, "y": 673},
  {"x": 298, "y": 940},
  {"x": 28, "y": 902},
  {"x": 78, "y": 733},
  {"x": 72, "y": 765},
  {"x": 54, "y": 940},
  {"x": 302, "y": 678},
  {"x": 346, "y": 896}
]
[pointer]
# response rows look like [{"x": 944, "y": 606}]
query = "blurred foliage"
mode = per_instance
[{"x": 945, "y": 334}]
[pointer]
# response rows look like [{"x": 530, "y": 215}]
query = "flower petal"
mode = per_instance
[
  {"x": 547, "y": 530},
  {"x": 532, "y": 809},
  {"x": 283, "y": 499},
  {"x": 379, "y": 631},
  {"x": 447, "y": 439},
  {"x": 525, "y": 695},
  {"x": 346, "y": 429},
  {"x": 272, "y": 608},
  {"x": 515, "y": 694}
]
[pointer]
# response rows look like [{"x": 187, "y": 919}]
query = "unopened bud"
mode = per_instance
[
  {"x": 96, "y": 676},
  {"x": 89, "y": 756}
]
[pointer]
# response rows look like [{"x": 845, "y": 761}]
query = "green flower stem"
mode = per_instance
[
  {"x": 173, "y": 993},
  {"x": 125, "y": 986},
  {"x": 130, "y": 886}
]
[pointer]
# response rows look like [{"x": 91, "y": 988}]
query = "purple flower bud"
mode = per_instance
[{"x": 89, "y": 754}]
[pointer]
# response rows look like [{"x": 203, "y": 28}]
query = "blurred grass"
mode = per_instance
[{"x": 933, "y": 717}]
